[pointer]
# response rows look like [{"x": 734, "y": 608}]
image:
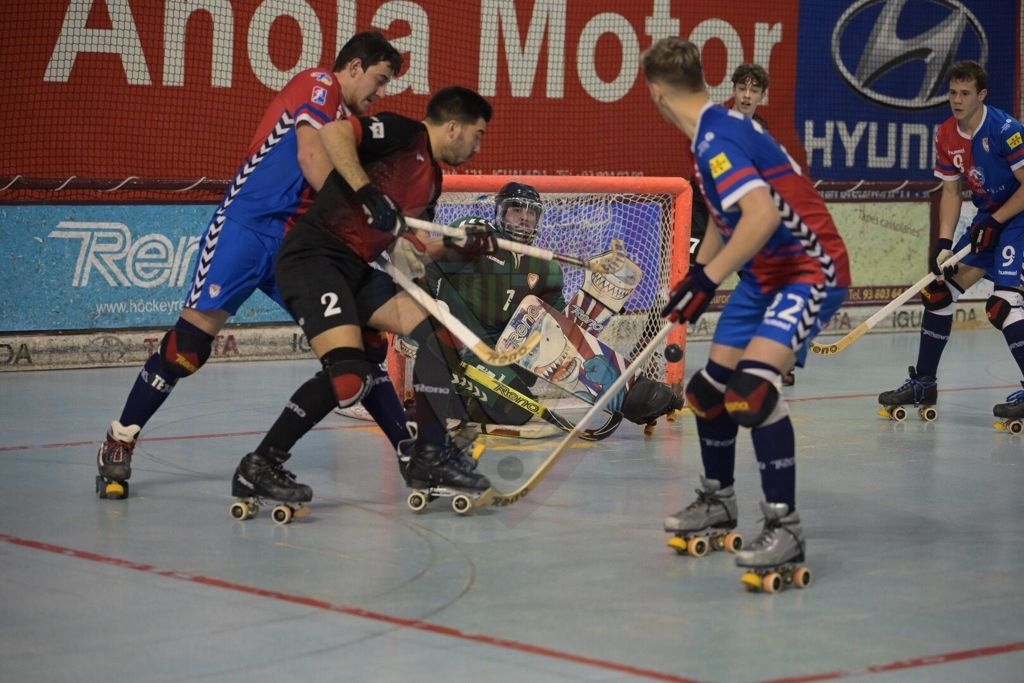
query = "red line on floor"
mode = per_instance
[{"x": 435, "y": 629}]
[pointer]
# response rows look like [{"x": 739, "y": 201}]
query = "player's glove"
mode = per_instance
[
  {"x": 943, "y": 251},
  {"x": 985, "y": 234},
  {"x": 409, "y": 255},
  {"x": 382, "y": 212},
  {"x": 480, "y": 239},
  {"x": 690, "y": 297}
]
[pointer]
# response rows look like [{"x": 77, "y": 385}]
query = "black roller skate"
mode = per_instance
[
  {"x": 920, "y": 391},
  {"x": 260, "y": 479},
  {"x": 772, "y": 560},
  {"x": 439, "y": 472},
  {"x": 1011, "y": 413},
  {"x": 114, "y": 460}
]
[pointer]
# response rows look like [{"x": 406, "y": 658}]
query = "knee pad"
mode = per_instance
[
  {"x": 752, "y": 396},
  {"x": 648, "y": 400},
  {"x": 939, "y": 297},
  {"x": 1003, "y": 307},
  {"x": 185, "y": 350},
  {"x": 706, "y": 400},
  {"x": 350, "y": 373}
]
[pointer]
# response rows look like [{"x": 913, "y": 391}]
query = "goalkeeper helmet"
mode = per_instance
[{"x": 518, "y": 209}]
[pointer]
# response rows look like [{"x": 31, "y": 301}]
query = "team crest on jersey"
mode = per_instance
[
  {"x": 984, "y": 144},
  {"x": 323, "y": 77},
  {"x": 319, "y": 95},
  {"x": 719, "y": 164},
  {"x": 1014, "y": 141},
  {"x": 214, "y": 291},
  {"x": 532, "y": 279}
]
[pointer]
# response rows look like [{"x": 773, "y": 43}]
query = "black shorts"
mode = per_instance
[{"x": 325, "y": 284}]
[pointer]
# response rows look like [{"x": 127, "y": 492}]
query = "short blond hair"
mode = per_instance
[{"x": 676, "y": 63}]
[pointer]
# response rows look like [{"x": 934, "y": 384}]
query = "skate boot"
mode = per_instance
[
  {"x": 706, "y": 523},
  {"x": 921, "y": 391},
  {"x": 436, "y": 472},
  {"x": 1011, "y": 413},
  {"x": 262, "y": 478},
  {"x": 463, "y": 443},
  {"x": 772, "y": 558},
  {"x": 114, "y": 460}
]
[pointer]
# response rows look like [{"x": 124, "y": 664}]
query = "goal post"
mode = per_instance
[{"x": 582, "y": 215}]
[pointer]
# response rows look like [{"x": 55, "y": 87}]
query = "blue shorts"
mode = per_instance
[
  {"x": 233, "y": 262},
  {"x": 777, "y": 315},
  {"x": 1002, "y": 264}
]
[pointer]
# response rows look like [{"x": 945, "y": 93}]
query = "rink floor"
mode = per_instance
[{"x": 915, "y": 538}]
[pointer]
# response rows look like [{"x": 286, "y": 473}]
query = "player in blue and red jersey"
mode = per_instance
[
  {"x": 284, "y": 166},
  {"x": 774, "y": 229},
  {"x": 388, "y": 165},
  {"x": 982, "y": 147}
]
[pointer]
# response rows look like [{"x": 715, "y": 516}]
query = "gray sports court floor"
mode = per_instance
[{"x": 915, "y": 539}]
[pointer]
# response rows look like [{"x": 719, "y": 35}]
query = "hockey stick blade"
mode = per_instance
[
  {"x": 535, "y": 407},
  {"x": 465, "y": 335},
  {"x": 869, "y": 324},
  {"x": 495, "y": 498},
  {"x": 598, "y": 265}
]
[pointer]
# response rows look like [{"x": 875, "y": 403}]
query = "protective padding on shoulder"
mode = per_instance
[
  {"x": 1003, "y": 307},
  {"x": 351, "y": 375},
  {"x": 939, "y": 297},
  {"x": 706, "y": 400},
  {"x": 752, "y": 397},
  {"x": 184, "y": 351},
  {"x": 648, "y": 400}
]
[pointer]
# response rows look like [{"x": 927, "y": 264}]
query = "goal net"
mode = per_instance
[{"x": 582, "y": 215}]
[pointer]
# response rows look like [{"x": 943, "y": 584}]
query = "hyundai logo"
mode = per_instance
[{"x": 900, "y": 58}]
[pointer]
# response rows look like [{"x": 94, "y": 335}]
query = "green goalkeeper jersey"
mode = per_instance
[{"x": 488, "y": 290}]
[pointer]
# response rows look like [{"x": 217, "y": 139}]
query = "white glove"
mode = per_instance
[{"x": 408, "y": 258}]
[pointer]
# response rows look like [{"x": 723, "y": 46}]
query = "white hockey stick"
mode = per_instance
[
  {"x": 465, "y": 335},
  {"x": 608, "y": 263},
  {"x": 498, "y": 499},
  {"x": 862, "y": 329}
]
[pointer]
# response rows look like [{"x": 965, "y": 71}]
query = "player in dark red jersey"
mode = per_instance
[
  {"x": 284, "y": 166},
  {"x": 774, "y": 228},
  {"x": 388, "y": 165},
  {"x": 983, "y": 147}
]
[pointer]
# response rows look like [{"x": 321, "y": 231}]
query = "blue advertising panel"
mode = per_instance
[
  {"x": 101, "y": 267},
  {"x": 871, "y": 84}
]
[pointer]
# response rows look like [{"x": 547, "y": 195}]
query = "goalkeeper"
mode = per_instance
[{"x": 487, "y": 291}]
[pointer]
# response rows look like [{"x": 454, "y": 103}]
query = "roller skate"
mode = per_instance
[
  {"x": 261, "y": 479},
  {"x": 706, "y": 523},
  {"x": 1011, "y": 413},
  {"x": 114, "y": 460},
  {"x": 921, "y": 391},
  {"x": 772, "y": 559},
  {"x": 433, "y": 471}
]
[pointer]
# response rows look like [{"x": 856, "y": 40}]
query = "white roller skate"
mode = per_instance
[
  {"x": 114, "y": 460},
  {"x": 920, "y": 391},
  {"x": 772, "y": 559},
  {"x": 706, "y": 523},
  {"x": 261, "y": 479},
  {"x": 1011, "y": 413}
]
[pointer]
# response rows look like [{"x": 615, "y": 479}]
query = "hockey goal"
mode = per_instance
[{"x": 582, "y": 215}]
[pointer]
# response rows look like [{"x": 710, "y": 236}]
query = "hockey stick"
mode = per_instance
[
  {"x": 535, "y": 407},
  {"x": 455, "y": 326},
  {"x": 498, "y": 499},
  {"x": 862, "y": 329},
  {"x": 607, "y": 264}
]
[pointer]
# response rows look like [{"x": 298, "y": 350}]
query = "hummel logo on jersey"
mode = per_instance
[
  {"x": 377, "y": 129},
  {"x": 419, "y": 157}
]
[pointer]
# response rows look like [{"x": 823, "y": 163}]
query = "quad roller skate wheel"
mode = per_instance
[
  {"x": 649, "y": 428},
  {"x": 927, "y": 413},
  {"x": 282, "y": 514},
  {"x": 731, "y": 542},
  {"x": 113, "y": 490},
  {"x": 1012, "y": 425},
  {"x": 417, "y": 501},
  {"x": 774, "y": 579},
  {"x": 241, "y": 510},
  {"x": 461, "y": 504}
]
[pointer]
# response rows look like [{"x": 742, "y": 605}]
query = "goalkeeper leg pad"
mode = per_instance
[{"x": 648, "y": 400}]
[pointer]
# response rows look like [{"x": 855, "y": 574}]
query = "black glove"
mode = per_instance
[
  {"x": 985, "y": 234},
  {"x": 690, "y": 297},
  {"x": 943, "y": 250},
  {"x": 480, "y": 239},
  {"x": 382, "y": 212}
]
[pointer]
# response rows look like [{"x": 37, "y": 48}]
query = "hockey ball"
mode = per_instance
[
  {"x": 673, "y": 353},
  {"x": 510, "y": 467}
]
